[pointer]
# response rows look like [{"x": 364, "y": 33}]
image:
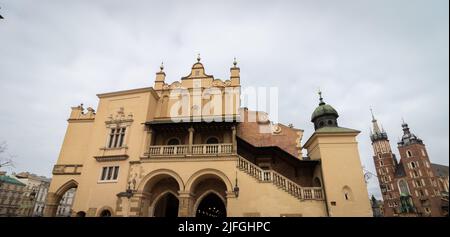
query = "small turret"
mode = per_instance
[
  {"x": 324, "y": 115},
  {"x": 160, "y": 78},
  {"x": 235, "y": 77}
]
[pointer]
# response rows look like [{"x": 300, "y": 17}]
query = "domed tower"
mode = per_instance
[
  {"x": 324, "y": 115},
  {"x": 340, "y": 166}
]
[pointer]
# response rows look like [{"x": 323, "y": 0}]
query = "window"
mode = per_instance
[
  {"x": 403, "y": 186},
  {"x": 381, "y": 163},
  {"x": 423, "y": 153},
  {"x": 408, "y": 153},
  {"x": 418, "y": 183},
  {"x": 109, "y": 173},
  {"x": 347, "y": 193},
  {"x": 116, "y": 137}
]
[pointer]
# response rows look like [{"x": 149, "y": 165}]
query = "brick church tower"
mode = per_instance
[
  {"x": 386, "y": 165},
  {"x": 410, "y": 186},
  {"x": 419, "y": 173}
]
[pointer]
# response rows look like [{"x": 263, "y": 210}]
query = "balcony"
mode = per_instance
[{"x": 193, "y": 150}]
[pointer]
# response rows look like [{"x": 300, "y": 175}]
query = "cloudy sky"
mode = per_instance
[{"x": 389, "y": 55}]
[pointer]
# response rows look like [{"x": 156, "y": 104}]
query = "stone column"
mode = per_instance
[
  {"x": 185, "y": 204},
  {"x": 51, "y": 205},
  {"x": 143, "y": 202},
  {"x": 191, "y": 139},
  {"x": 233, "y": 138}
]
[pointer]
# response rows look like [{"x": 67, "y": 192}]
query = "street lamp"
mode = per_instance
[
  {"x": 32, "y": 199},
  {"x": 236, "y": 188}
]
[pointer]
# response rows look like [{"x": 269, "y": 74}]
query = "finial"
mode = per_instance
[
  {"x": 198, "y": 58},
  {"x": 371, "y": 111},
  {"x": 234, "y": 62},
  {"x": 320, "y": 97},
  {"x": 162, "y": 66}
]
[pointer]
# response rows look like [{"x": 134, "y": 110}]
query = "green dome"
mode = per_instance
[{"x": 323, "y": 109}]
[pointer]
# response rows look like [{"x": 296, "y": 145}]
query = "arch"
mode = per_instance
[
  {"x": 173, "y": 141},
  {"x": 162, "y": 172},
  {"x": 347, "y": 192},
  {"x": 212, "y": 140},
  {"x": 208, "y": 172},
  {"x": 81, "y": 214},
  {"x": 317, "y": 182},
  {"x": 65, "y": 187},
  {"x": 104, "y": 209},
  {"x": 158, "y": 198},
  {"x": 408, "y": 153},
  {"x": 200, "y": 199}
]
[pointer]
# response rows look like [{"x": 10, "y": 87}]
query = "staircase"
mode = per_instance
[{"x": 270, "y": 176}]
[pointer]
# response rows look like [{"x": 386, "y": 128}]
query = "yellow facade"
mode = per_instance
[{"x": 173, "y": 149}]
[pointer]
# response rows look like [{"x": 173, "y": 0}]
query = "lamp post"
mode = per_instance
[
  {"x": 236, "y": 188},
  {"x": 32, "y": 199}
]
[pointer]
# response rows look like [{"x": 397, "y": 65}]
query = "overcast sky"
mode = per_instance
[{"x": 389, "y": 55}]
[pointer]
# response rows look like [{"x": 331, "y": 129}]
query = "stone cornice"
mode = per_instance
[{"x": 127, "y": 92}]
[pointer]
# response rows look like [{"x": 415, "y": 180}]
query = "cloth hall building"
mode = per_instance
[{"x": 188, "y": 149}]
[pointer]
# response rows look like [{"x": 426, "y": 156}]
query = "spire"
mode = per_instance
[
  {"x": 320, "y": 98},
  {"x": 373, "y": 117},
  {"x": 198, "y": 58},
  {"x": 376, "y": 129},
  {"x": 234, "y": 62},
  {"x": 161, "y": 67}
]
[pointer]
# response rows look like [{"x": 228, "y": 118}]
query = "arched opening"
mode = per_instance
[
  {"x": 212, "y": 140},
  {"x": 408, "y": 153},
  {"x": 162, "y": 198},
  {"x": 317, "y": 183},
  {"x": 65, "y": 204},
  {"x": 209, "y": 195},
  {"x": 81, "y": 214},
  {"x": 211, "y": 206},
  {"x": 347, "y": 193},
  {"x": 166, "y": 206},
  {"x": 60, "y": 202},
  {"x": 173, "y": 142},
  {"x": 105, "y": 213}
]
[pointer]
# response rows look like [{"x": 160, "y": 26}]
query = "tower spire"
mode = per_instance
[
  {"x": 376, "y": 128},
  {"x": 198, "y": 58},
  {"x": 373, "y": 117}
]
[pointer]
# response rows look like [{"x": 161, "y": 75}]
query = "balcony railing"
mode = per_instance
[{"x": 197, "y": 149}]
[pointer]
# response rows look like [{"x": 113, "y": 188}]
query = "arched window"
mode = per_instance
[
  {"x": 348, "y": 196},
  {"x": 403, "y": 186},
  {"x": 408, "y": 153},
  {"x": 105, "y": 213},
  {"x": 173, "y": 142},
  {"x": 212, "y": 140},
  {"x": 321, "y": 124},
  {"x": 81, "y": 214},
  {"x": 330, "y": 122}
]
